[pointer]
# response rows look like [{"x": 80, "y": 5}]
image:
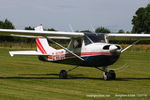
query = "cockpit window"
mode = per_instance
[
  {"x": 77, "y": 43},
  {"x": 87, "y": 40},
  {"x": 94, "y": 38}
]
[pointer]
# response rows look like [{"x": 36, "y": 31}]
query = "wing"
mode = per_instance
[
  {"x": 8, "y": 32},
  {"x": 128, "y": 35},
  {"x": 118, "y": 36},
  {"x": 51, "y": 37}
]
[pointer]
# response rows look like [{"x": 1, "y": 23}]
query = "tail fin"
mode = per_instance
[
  {"x": 39, "y": 28},
  {"x": 43, "y": 46}
]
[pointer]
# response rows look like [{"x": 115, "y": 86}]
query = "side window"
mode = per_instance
[
  {"x": 86, "y": 40},
  {"x": 77, "y": 43}
]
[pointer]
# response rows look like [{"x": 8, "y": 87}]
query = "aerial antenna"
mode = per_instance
[
  {"x": 70, "y": 26},
  {"x": 93, "y": 29}
]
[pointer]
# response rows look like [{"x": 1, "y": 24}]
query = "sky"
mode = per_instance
[{"x": 80, "y": 14}]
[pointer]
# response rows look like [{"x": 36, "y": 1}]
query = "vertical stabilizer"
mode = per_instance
[
  {"x": 39, "y": 28},
  {"x": 43, "y": 46}
]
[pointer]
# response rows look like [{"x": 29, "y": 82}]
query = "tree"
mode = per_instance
[
  {"x": 102, "y": 30},
  {"x": 51, "y": 29},
  {"x": 128, "y": 32},
  {"x": 141, "y": 21},
  {"x": 6, "y": 24},
  {"x": 121, "y": 31},
  {"x": 86, "y": 31},
  {"x": 1, "y": 24},
  {"x": 29, "y": 28}
]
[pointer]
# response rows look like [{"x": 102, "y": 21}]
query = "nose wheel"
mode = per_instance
[
  {"x": 108, "y": 75},
  {"x": 111, "y": 75}
]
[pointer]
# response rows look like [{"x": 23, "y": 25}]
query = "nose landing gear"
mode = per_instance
[{"x": 111, "y": 75}]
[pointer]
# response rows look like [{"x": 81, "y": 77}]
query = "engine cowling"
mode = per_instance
[{"x": 112, "y": 48}]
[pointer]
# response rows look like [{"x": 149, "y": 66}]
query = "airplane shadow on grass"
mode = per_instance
[
  {"x": 77, "y": 76},
  {"x": 47, "y": 76}
]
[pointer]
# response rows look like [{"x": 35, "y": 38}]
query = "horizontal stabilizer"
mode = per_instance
[{"x": 35, "y": 53}]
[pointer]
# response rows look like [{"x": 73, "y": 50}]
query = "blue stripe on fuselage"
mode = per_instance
[{"x": 92, "y": 61}]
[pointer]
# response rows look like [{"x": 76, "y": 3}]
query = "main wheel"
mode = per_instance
[{"x": 63, "y": 74}]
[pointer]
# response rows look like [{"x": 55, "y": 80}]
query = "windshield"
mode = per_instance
[{"x": 94, "y": 38}]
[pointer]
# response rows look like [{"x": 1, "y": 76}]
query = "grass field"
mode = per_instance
[{"x": 27, "y": 78}]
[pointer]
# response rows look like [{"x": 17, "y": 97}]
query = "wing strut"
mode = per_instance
[
  {"x": 130, "y": 45},
  {"x": 65, "y": 49}
]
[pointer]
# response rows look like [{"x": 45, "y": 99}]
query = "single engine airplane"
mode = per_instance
[{"x": 84, "y": 49}]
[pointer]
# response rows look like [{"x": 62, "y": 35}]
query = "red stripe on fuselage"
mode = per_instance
[
  {"x": 83, "y": 54},
  {"x": 94, "y": 53},
  {"x": 39, "y": 45},
  {"x": 89, "y": 54}
]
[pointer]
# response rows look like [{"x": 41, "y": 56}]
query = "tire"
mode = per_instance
[
  {"x": 112, "y": 74},
  {"x": 106, "y": 76},
  {"x": 63, "y": 74}
]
